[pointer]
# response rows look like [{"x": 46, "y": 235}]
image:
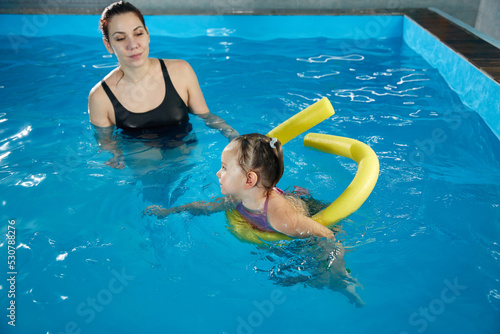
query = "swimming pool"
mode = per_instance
[{"x": 424, "y": 245}]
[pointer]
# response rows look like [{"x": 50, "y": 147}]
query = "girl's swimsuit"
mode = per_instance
[
  {"x": 171, "y": 113},
  {"x": 258, "y": 220}
]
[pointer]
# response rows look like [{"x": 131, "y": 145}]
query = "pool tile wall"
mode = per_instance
[
  {"x": 477, "y": 90},
  {"x": 465, "y": 10}
]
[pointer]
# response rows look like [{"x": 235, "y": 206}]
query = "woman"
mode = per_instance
[{"x": 144, "y": 94}]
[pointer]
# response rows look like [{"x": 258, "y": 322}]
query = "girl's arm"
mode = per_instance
[
  {"x": 200, "y": 208},
  {"x": 285, "y": 219}
]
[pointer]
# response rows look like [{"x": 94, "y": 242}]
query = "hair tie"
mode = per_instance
[{"x": 273, "y": 141}]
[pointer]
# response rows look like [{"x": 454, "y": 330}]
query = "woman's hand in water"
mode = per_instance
[
  {"x": 158, "y": 211},
  {"x": 115, "y": 162}
]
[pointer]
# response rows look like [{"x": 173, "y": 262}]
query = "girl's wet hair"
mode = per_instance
[
  {"x": 117, "y": 8},
  {"x": 256, "y": 154}
]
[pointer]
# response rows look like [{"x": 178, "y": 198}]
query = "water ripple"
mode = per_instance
[
  {"x": 31, "y": 180},
  {"x": 219, "y": 32},
  {"x": 403, "y": 79},
  {"x": 313, "y": 75},
  {"x": 4, "y": 155},
  {"x": 325, "y": 58},
  {"x": 494, "y": 299},
  {"x": 23, "y": 133},
  {"x": 356, "y": 94},
  {"x": 350, "y": 93},
  {"x": 107, "y": 65},
  {"x": 365, "y": 77}
]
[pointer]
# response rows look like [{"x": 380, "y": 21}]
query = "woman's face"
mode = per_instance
[{"x": 128, "y": 40}]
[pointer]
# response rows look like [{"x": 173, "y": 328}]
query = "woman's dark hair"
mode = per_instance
[
  {"x": 117, "y": 8},
  {"x": 257, "y": 154}
]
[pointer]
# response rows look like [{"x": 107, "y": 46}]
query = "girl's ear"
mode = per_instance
[
  {"x": 252, "y": 179},
  {"x": 107, "y": 45}
]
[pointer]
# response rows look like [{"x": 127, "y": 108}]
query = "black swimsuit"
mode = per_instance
[{"x": 172, "y": 113}]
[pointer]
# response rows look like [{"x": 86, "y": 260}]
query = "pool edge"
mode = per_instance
[{"x": 449, "y": 50}]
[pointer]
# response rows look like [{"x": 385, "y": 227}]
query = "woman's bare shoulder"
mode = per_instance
[
  {"x": 177, "y": 66},
  {"x": 99, "y": 105},
  {"x": 97, "y": 94},
  {"x": 110, "y": 79},
  {"x": 176, "y": 62}
]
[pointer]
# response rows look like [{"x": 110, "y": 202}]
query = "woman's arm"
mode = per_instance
[
  {"x": 99, "y": 105},
  {"x": 196, "y": 101},
  {"x": 200, "y": 208},
  {"x": 217, "y": 123},
  {"x": 285, "y": 219},
  {"x": 104, "y": 137}
]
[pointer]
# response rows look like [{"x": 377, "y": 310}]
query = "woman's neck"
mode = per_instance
[{"x": 137, "y": 74}]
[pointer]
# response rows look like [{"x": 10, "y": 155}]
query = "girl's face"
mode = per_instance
[
  {"x": 128, "y": 40},
  {"x": 232, "y": 177}
]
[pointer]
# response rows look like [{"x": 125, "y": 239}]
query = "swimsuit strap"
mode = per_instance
[
  {"x": 256, "y": 220},
  {"x": 172, "y": 111}
]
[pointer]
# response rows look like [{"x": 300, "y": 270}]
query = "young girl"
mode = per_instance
[{"x": 252, "y": 165}]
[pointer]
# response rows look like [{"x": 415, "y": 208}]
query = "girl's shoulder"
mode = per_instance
[
  {"x": 287, "y": 201},
  {"x": 276, "y": 200}
]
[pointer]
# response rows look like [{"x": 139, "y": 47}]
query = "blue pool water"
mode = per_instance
[{"x": 425, "y": 245}]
